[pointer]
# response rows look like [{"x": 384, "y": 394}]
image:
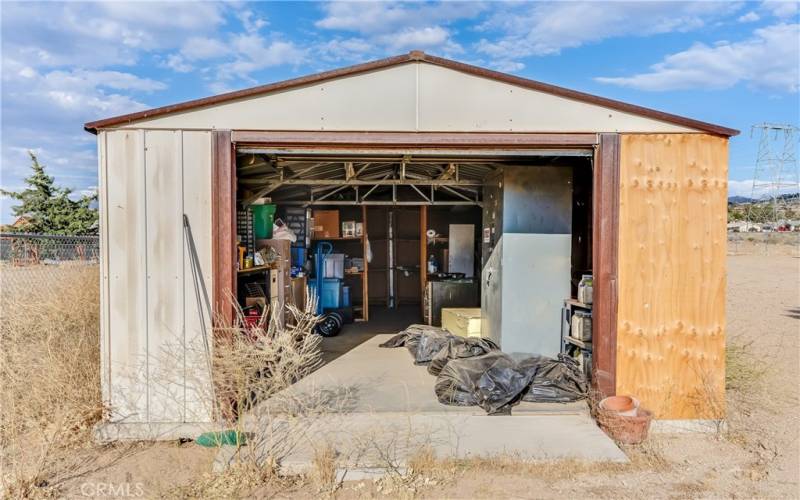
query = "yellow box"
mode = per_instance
[{"x": 464, "y": 322}]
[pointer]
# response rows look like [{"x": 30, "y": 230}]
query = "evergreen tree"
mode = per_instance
[{"x": 48, "y": 209}]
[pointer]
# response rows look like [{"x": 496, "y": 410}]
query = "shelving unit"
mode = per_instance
[
  {"x": 567, "y": 340},
  {"x": 363, "y": 308}
]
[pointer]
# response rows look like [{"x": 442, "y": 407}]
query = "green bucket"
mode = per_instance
[{"x": 263, "y": 217}]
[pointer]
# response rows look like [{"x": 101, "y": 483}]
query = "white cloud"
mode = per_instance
[
  {"x": 745, "y": 188},
  {"x": 97, "y": 34},
  {"x": 386, "y": 17},
  {"x": 254, "y": 53},
  {"x": 749, "y": 17},
  {"x": 250, "y": 21},
  {"x": 429, "y": 37},
  {"x": 196, "y": 48},
  {"x": 767, "y": 59},
  {"x": 384, "y": 28},
  {"x": 539, "y": 28},
  {"x": 783, "y": 9},
  {"x": 177, "y": 63}
]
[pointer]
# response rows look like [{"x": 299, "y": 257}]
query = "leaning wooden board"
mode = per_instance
[
  {"x": 671, "y": 280},
  {"x": 464, "y": 322}
]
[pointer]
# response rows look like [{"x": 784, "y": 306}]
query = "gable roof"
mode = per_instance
[{"x": 413, "y": 56}]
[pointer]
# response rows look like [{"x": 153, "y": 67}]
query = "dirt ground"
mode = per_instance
[{"x": 757, "y": 457}]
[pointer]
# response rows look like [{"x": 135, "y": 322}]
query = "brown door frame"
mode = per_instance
[
  {"x": 605, "y": 213},
  {"x": 605, "y": 236}
]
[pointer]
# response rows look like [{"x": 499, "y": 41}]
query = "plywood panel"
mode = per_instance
[
  {"x": 164, "y": 202},
  {"x": 127, "y": 267},
  {"x": 197, "y": 285},
  {"x": 671, "y": 282}
]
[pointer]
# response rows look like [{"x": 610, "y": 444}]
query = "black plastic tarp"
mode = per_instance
[
  {"x": 554, "y": 380},
  {"x": 474, "y": 372},
  {"x": 493, "y": 381},
  {"x": 459, "y": 348}
]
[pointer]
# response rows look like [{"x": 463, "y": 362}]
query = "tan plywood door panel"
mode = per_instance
[
  {"x": 127, "y": 292},
  {"x": 671, "y": 315}
]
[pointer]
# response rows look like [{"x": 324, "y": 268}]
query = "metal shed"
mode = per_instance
[{"x": 659, "y": 184}]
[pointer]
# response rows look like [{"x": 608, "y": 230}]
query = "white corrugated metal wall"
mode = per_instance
[{"x": 153, "y": 360}]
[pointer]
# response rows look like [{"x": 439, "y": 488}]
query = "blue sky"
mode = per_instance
[{"x": 731, "y": 63}]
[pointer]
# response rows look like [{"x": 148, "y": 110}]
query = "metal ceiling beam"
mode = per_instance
[
  {"x": 380, "y": 182},
  {"x": 380, "y": 202},
  {"x": 417, "y": 155}
]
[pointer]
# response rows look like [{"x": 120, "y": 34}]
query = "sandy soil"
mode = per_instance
[{"x": 758, "y": 457}]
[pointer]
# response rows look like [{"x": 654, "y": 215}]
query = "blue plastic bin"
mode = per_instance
[
  {"x": 346, "y": 296},
  {"x": 331, "y": 296}
]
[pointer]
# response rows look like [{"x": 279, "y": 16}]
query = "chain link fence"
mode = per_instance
[{"x": 36, "y": 260}]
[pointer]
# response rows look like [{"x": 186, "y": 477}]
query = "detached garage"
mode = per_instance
[{"x": 430, "y": 178}]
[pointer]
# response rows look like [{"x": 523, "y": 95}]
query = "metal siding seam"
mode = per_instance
[
  {"x": 146, "y": 279},
  {"x": 183, "y": 277},
  {"x": 416, "y": 98},
  {"x": 105, "y": 326}
]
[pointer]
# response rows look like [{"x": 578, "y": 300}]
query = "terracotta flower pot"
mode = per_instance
[
  {"x": 625, "y": 429},
  {"x": 619, "y": 404}
]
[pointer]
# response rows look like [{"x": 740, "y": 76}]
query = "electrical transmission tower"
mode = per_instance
[{"x": 776, "y": 172}]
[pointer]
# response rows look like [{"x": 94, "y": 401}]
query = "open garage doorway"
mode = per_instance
[{"x": 406, "y": 233}]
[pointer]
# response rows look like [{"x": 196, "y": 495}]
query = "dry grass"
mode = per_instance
[
  {"x": 49, "y": 371},
  {"x": 323, "y": 470},
  {"x": 251, "y": 367}
]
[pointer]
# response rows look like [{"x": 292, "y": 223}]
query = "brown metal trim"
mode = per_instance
[
  {"x": 414, "y": 56},
  {"x": 223, "y": 221},
  {"x": 481, "y": 140},
  {"x": 604, "y": 256}
]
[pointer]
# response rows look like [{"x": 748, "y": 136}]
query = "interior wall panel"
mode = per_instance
[
  {"x": 127, "y": 265},
  {"x": 672, "y": 238}
]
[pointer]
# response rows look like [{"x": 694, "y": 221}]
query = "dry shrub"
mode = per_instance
[
  {"x": 237, "y": 481},
  {"x": 253, "y": 363},
  {"x": 252, "y": 368},
  {"x": 323, "y": 469},
  {"x": 49, "y": 371}
]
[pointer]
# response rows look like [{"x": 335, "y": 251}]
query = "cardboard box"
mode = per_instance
[
  {"x": 326, "y": 224},
  {"x": 464, "y": 322}
]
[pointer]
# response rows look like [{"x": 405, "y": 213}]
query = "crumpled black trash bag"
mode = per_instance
[
  {"x": 493, "y": 381},
  {"x": 554, "y": 380},
  {"x": 398, "y": 340},
  {"x": 411, "y": 336},
  {"x": 430, "y": 343},
  {"x": 460, "y": 347}
]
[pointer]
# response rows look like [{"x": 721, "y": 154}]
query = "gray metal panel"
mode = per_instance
[
  {"x": 461, "y": 249},
  {"x": 537, "y": 200},
  {"x": 535, "y": 282},
  {"x": 491, "y": 295}
]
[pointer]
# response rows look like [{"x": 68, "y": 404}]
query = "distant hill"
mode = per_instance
[{"x": 739, "y": 199}]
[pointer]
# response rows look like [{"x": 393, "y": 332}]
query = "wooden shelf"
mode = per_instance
[
  {"x": 255, "y": 269},
  {"x": 575, "y": 303},
  {"x": 355, "y": 238},
  {"x": 580, "y": 343}
]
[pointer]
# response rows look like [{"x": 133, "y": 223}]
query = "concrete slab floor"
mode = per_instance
[{"x": 376, "y": 409}]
